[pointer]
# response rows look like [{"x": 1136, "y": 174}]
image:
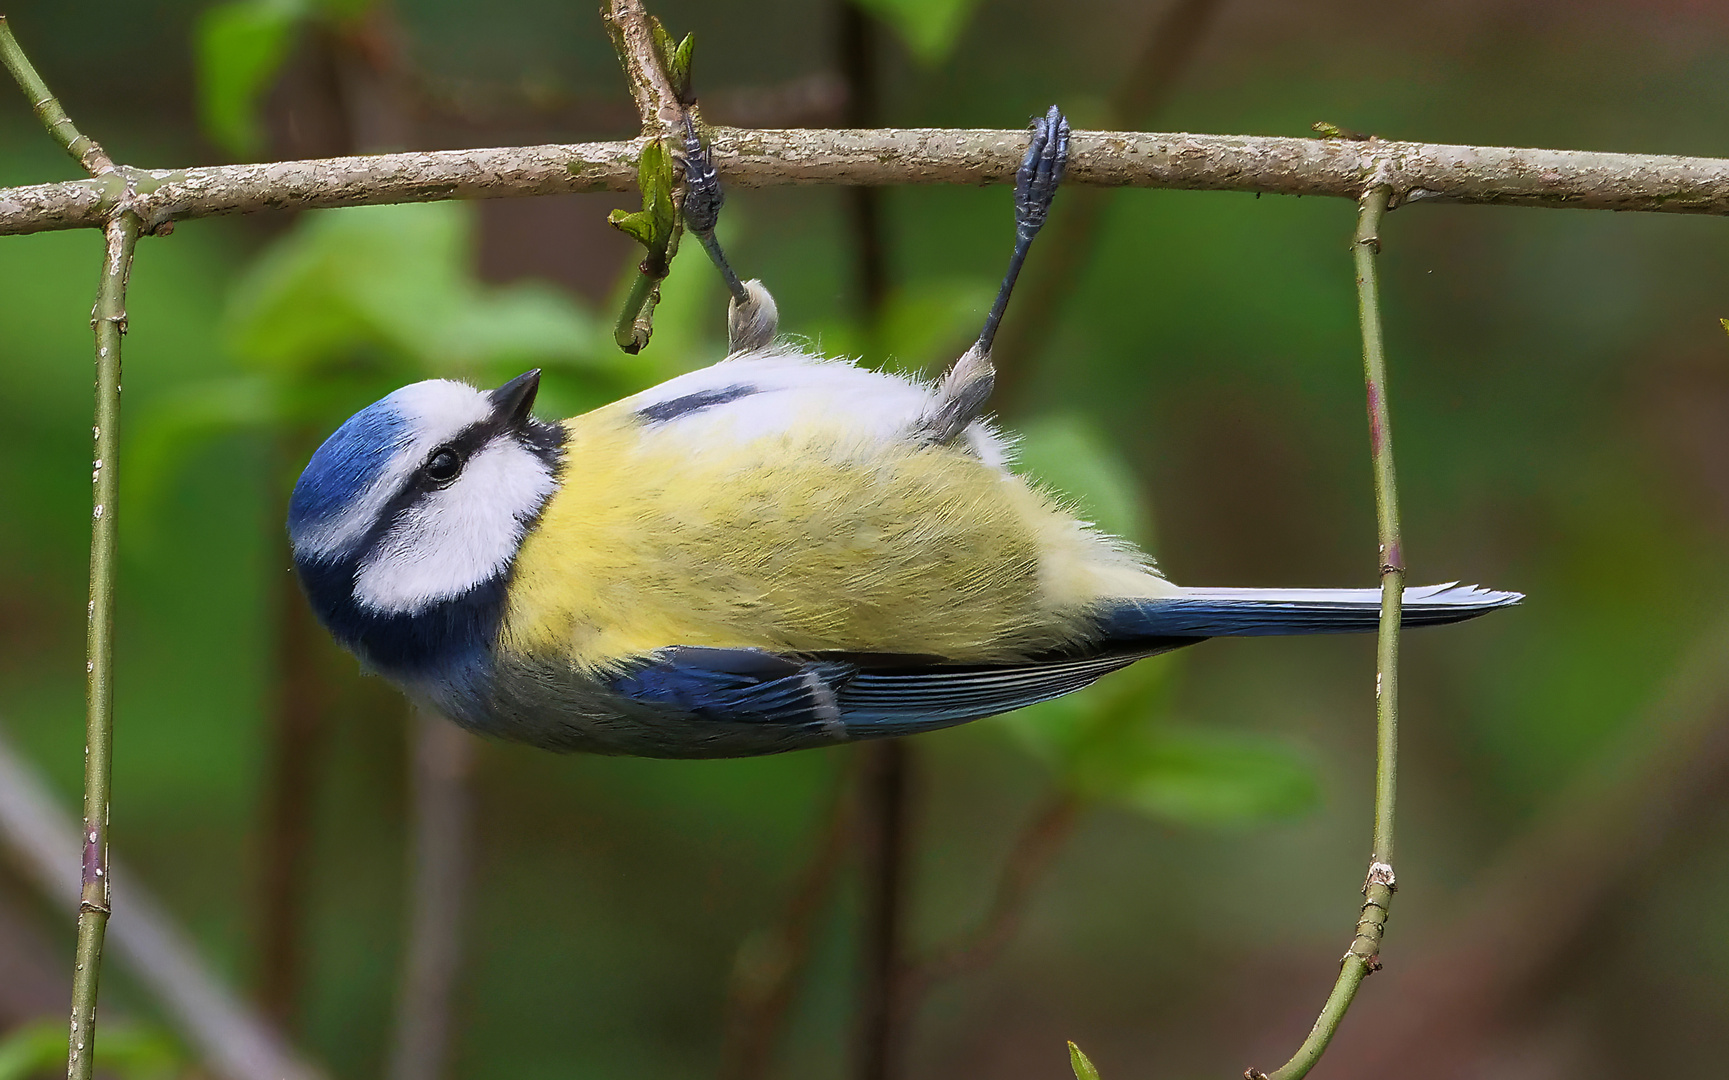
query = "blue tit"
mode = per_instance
[
  {"x": 774, "y": 552},
  {"x": 777, "y": 551}
]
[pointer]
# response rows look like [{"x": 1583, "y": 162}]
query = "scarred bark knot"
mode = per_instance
[{"x": 1381, "y": 873}]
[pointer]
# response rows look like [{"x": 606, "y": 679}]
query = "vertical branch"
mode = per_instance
[
  {"x": 1363, "y": 956},
  {"x": 109, "y": 321},
  {"x": 443, "y": 760}
]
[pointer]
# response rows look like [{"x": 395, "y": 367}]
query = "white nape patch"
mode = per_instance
[
  {"x": 794, "y": 389},
  {"x": 433, "y": 412},
  {"x": 456, "y": 537}
]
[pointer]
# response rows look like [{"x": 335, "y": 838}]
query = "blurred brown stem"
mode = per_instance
[
  {"x": 299, "y": 737},
  {"x": 766, "y": 979},
  {"x": 884, "y": 846},
  {"x": 440, "y": 858},
  {"x": 1165, "y": 54},
  {"x": 1037, "y": 845}
]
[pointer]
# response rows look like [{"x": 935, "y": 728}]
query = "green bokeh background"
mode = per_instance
[{"x": 1560, "y": 397}]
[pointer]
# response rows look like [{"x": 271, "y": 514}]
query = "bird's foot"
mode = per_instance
[{"x": 1041, "y": 172}]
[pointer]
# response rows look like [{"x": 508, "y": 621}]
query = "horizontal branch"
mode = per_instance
[{"x": 756, "y": 158}]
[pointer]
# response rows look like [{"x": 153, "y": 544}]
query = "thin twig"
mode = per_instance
[
  {"x": 632, "y": 32},
  {"x": 109, "y": 322},
  {"x": 1171, "y": 43},
  {"x": 636, "y": 38},
  {"x": 235, "y": 1041},
  {"x": 1363, "y": 956},
  {"x": 443, "y": 759},
  {"x": 1035, "y": 847},
  {"x": 82, "y": 147},
  {"x": 1646, "y": 788},
  {"x": 1272, "y": 165}
]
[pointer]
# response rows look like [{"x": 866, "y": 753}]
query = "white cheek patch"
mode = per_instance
[
  {"x": 433, "y": 412},
  {"x": 456, "y": 537}
]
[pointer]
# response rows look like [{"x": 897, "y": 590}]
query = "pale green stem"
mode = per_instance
[
  {"x": 48, "y": 109},
  {"x": 1363, "y": 955},
  {"x": 109, "y": 322}
]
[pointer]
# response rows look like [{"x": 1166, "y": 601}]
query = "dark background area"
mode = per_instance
[{"x": 1560, "y": 403}]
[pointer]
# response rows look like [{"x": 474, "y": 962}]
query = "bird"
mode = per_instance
[{"x": 778, "y": 551}]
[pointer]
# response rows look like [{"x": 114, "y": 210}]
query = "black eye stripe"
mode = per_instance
[{"x": 544, "y": 441}]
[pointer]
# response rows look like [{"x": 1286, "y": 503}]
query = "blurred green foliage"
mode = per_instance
[
  {"x": 126, "y": 1051},
  {"x": 930, "y": 28},
  {"x": 1558, "y": 389},
  {"x": 240, "y": 47}
]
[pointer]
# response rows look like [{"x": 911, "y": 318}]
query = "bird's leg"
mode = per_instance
[
  {"x": 967, "y": 385},
  {"x": 751, "y": 317}
]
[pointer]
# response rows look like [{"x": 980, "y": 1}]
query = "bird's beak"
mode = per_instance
[{"x": 512, "y": 401}]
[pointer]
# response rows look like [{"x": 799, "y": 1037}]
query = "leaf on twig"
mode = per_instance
[
  {"x": 652, "y": 225},
  {"x": 1081, "y": 1064},
  {"x": 674, "y": 59},
  {"x": 656, "y": 228}
]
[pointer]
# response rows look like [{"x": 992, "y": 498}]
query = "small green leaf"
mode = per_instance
[
  {"x": 930, "y": 28},
  {"x": 637, "y": 224},
  {"x": 678, "y": 68},
  {"x": 674, "y": 58},
  {"x": 1081, "y": 1064},
  {"x": 240, "y": 46}
]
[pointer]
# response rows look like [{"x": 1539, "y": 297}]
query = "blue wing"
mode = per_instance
[{"x": 856, "y": 697}]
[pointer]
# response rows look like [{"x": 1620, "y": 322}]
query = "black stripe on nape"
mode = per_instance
[{"x": 662, "y": 411}]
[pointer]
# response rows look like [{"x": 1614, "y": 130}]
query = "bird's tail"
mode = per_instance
[{"x": 1200, "y": 613}]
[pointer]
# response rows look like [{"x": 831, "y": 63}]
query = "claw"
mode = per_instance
[
  {"x": 1041, "y": 172},
  {"x": 702, "y": 194}
]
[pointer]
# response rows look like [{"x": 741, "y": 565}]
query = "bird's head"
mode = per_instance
[{"x": 411, "y": 513}]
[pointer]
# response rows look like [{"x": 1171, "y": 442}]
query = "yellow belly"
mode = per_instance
[{"x": 800, "y": 542}]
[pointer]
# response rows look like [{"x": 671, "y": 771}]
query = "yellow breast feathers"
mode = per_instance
[{"x": 801, "y": 540}]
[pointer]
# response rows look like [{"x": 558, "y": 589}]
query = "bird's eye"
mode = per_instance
[{"x": 442, "y": 466}]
